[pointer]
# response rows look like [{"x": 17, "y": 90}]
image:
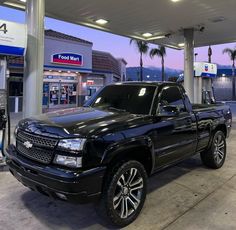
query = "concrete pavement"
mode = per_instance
[{"x": 187, "y": 196}]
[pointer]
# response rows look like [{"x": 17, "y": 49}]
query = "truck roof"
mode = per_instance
[{"x": 150, "y": 83}]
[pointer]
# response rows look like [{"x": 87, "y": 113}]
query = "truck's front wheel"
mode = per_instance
[
  {"x": 124, "y": 193},
  {"x": 214, "y": 157}
]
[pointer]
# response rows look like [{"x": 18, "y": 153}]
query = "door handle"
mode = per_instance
[{"x": 189, "y": 121}]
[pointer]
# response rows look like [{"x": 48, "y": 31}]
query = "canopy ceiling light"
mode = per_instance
[
  {"x": 101, "y": 21},
  {"x": 15, "y": 5},
  {"x": 156, "y": 37},
  {"x": 147, "y": 35},
  {"x": 181, "y": 44}
]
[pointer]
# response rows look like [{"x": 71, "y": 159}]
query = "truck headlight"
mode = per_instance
[
  {"x": 76, "y": 144},
  {"x": 69, "y": 161}
]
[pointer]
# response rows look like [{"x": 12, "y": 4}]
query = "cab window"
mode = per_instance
[{"x": 170, "y": 96}]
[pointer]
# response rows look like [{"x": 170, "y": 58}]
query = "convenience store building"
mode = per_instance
[{"x": 72, "y": 72}]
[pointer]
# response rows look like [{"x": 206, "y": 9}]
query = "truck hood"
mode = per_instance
[{"x": 78, "y": 122}]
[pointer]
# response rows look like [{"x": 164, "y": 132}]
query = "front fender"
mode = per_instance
[{"x": 128, "y": 145}]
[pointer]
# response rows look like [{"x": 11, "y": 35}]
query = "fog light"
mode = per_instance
[{"x": 69, "y": 161}]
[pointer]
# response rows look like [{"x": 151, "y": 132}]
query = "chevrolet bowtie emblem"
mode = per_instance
[{"x": 28, "y": 145}]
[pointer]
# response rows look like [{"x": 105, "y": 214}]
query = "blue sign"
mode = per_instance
[
  {"x": 13, "y": 51},
  {"x": 67, "y": 59}
]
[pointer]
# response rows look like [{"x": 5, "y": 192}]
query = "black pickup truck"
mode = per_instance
[{"x": 105, "y": 150}]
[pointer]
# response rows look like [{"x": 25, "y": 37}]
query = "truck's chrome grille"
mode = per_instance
[
  {"x": 41, "y": 155},
  {"x": 37, "y": 140}
]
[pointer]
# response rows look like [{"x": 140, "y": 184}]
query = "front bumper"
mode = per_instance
[{"x": 72, "y": 186}]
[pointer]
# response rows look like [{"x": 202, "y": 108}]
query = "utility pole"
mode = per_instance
[{"x": 209, "y": 54}]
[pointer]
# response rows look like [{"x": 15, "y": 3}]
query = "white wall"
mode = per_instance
[
  {"x": 53, "y": 46},
  {"x": 223, "y": 88}
]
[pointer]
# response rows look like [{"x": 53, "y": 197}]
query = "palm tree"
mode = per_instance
[
  {"x": 160, "y": 52},
  {"x": 142, "y": 48},
  {"x": 232, "y": 55}
]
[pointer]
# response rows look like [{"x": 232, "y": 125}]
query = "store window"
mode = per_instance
[
  {"x": 94, "y": 83},
  {"x": 16, "y": 86},
  {"x": 57, "y": 95},
  {"x": 15, "y": 92}
]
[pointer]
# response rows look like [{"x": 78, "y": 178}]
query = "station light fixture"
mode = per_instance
[
  {"x": 181, "y": 44},
  {"x": 23, "y": 0},
  {"x": 175, "y": 0},
  {"x": 15, "y": 5},
  {"x": 147, "y": 35},
  {"x": 156, "y": 38},
  {"x": 101, "y": 21}
]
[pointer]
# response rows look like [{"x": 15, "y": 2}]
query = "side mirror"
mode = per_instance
[{"x": 168, "y": 111}]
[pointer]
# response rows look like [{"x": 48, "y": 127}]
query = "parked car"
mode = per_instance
[{"x": 105, "y": 151}]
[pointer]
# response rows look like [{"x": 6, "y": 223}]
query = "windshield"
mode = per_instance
[{"x": 130, "y": 98}]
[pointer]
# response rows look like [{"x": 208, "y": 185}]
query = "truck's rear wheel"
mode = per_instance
[
  {"x": 214, "y": 157},
  {"x": 124, "y": 194}
]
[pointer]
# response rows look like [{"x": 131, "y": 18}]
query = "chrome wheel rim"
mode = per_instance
[
  {"x": 219, "y": 152},
  {"x": 128, "y": 193}
]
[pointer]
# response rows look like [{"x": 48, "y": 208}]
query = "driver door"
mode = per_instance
[{"x": 175, "y": 132}]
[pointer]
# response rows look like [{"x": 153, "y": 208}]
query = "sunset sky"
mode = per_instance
[{"x": 119, "y": 46}]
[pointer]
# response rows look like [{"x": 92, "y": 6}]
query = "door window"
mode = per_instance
[
  {"x": 54, "y": 94},
  {"x": 63, "y": 94},
  {"x": 171, "y": 96},
  {"x": 45, "y": 93},
  {"x": 72, "y": 92}
]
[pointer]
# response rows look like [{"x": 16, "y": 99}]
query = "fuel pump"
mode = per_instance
[
  {"x": 3, "y": 121},
  {"x": 13, "y": 40},
  {"x": 203, "y": 74},
  {"x": 4, "y": 111}
]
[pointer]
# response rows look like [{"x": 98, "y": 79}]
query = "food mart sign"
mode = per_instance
[{"x": 67, "y": 59}]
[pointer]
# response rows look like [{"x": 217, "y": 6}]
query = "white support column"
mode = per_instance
[
  {"x": 198, "y": 90},
  {"x": 34, "y": 60},
  {"x": 188, "y": 63}
]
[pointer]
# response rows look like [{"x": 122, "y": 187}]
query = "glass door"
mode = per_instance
[
  {"x": 63, "y": 94},
  {"x": 72, "y": 94},
  {"x": 54, "y": 93}
]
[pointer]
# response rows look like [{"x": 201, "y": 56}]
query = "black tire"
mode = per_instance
[
  {"x": 215, "y": 156},
  {"x": 113, "y": 194}
]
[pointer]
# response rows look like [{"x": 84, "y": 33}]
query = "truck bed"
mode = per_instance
[{"x": 209, "y": 107}]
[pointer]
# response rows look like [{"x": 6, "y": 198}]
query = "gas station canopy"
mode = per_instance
[
  {"x": 159, "y": 22},
  {"x": 173, "y": 23}
]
